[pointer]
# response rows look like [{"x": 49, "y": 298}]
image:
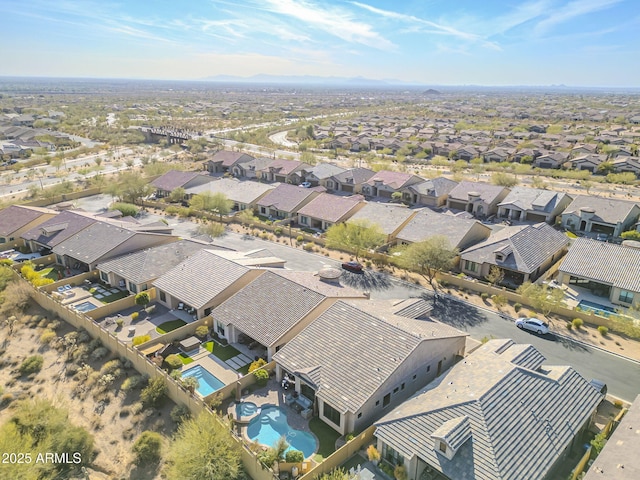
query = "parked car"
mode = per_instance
[
  {"x": 602, "y": 237},
  {"x": 305, "y": 184},
  {"x": 533, "y": 325},
  {"x": 352, "y": 267},
  {"x": 599, "y": 385}
]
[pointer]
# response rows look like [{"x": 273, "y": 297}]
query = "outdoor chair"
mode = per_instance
[{"x": 181, "y": 306}]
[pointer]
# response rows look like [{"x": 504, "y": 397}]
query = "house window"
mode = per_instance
[
  {"x": 104, "y": 277},
  {"x": 133, "y": 288},
  {"x": 144, "y": 287},
  {"x": 304, "y": 220},
  {"x": 470, "y": 266},
  {"x": 386, "y": 400},
  {"x": 59, "y": 260},
  {"x": 329, "y": 184},
  {"x": 220, "y": 328},
  {"x": 360, "y": 415},
  {"x": 626, "y": 296},
  {"x": 443, "y": 447},
  {"x": 263, "y": 210},
  {"x": 414, "y": 377},
  {"x": 3, "y": 240},
  {"x": 377, "y": 402},
  {"x": 395, "y": 390},
  {"x": 163, "y": 296},
  {"x": 331, "y": 414},
  {"x": 428, "y": 368},
  {"x": 391, "y": 456},
  {"x": 402, "y": 387}
]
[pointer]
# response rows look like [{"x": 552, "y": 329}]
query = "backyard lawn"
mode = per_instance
[
  {"x": 114, "y": 296},
  {"x": 50, "y": 272},
  {"x": 327, "y": 437},
  {"x": 167, "y": 327},
  {"x": 220, "y": 351},
  {"x": 186, "y": 359}
]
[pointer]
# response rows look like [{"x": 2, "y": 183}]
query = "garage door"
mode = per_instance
[{"x": 533, "y": 217}]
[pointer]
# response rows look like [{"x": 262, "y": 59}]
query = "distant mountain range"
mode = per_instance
[{"x": 305, "y": 79}]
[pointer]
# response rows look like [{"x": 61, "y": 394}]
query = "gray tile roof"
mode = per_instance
[
  {"x": 228, "y": 158},
  {"x": 285, "y": 197},
  {"x": 147, "y": 265},
  {"x": 388, "y": 217},
  {"x": 348, "y": 353},
  {"x": 428, "y": 223},
  {"x": 200, "y": 278},
  {"x": 324, "y": 170},
  {"x": 488, "y": 193},
  {"x": 511, "y": 411},
  {"x": 173, "y": 179},
  {"x": 15, "y": 217},
  {"x": 604, "y": 262},
  {"x": 59, "y": 228},
  {"x": 533, "y": 199},
  {"x": 355, "y": 176},
  {"x": 268, "y": 307},
  {"x": 330, "y": 208},
  {"x": 240, "y": 191},
  {"x": 394, "y": 179},
  {"x": 435, "y": 187},
  {"x": 607, "y": 210},
  {"x": 525, "y": 247}
]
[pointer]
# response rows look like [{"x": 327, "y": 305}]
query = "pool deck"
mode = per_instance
[
  {"x": 574, "y": 295},
  {"x": 215, "y": 366}
]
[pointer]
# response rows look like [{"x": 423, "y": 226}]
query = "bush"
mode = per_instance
[
  {"x": 294, "y": 456},
  {"x": 278, "y": 231},
  {"x": 47, "y": 337},
  {"x": 484, "y": 295},
  {"x": 153, "y": 394},
  {"x": 174, "y": 362},
  {"x": 517, "y": 307},
  {"x": 262, "y": 376},
  {"x": 131, "y": 383},
  {"x": 598, "y": 444},
  {"x": 577, "y": 323},
  {"x": 257, "y": 364},
  {"x": 119, "y": 322},
  {"x": 140, "y": 339},
  {"x": 372, "y": 453},
  {"x": 400, "y": 472},
  {"x": 499, "y": 300},
  {"x": 31, "y": 365},
  {"x": 603, "y": 330},
  {"x": 308, "y": 247},
  {"x": 569, "y": 326},
  {"x": 110, "y": 367},
  {"x": 299, "y": 239},
  {"x": 202, "y": 331},
  {"x": 350, "y": 436},
  {"x": 127, "y": 209},
  {"x": 147, "y": 447},
  {"x": 99, "y": 353},
  {"x": 180, "y": 413}
]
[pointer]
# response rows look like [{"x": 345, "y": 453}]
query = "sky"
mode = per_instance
[{"x": 428, "y": 42}]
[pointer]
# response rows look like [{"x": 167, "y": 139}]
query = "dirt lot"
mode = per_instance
[{"x": 114, "y": 417}]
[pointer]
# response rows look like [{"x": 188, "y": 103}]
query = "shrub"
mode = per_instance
[
  {"x": 603, "y": 330},
  {"x": 127, "y": 209},
  {"x": 31, "y": 365},
  {"x": 278, "y": 231},
  {"x": 6, "y": 399},
  {"x": 174, "y": 362},
  {"x": 147, "y": 447},
  {"x": 350, "y": 436},
  {"x": 262, "y": 376},
  {"x": 484, "y": 295},
  {"x": 140, "y": 339},
  {"x": 577, "y": 323},
  {"x": 180, "y": 413},
  {"x": 131, "y": 383},
  {"x": 372, "y": 453},
  {"x": 110, "y": 367},
  {"x": 120, "y": 322},
  {"x": 598, "y": 444},
  {"x": 294, "y": 456},
  {"x": 517, "y": 307},
  {"x": 134, "y": 316},
  {"x": 257, "y": 364},
  {"x": 299, "y": 239},
  {"x": 47, "y": 337},
  {"x": 499, "y": 300},
  {"x": 99, "y": 353},
  {"x": 400, "y": 472},
  {"x": 202, "y": 331},
  {"x": 569, "y": 326},
  {"x": 308, "y": 247},
  {"x": 617, "y": 403},
  {"x": 153, "y": 394}
]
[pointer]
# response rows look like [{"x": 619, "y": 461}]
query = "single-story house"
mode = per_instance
[
  {"x": 589, "y": 162},
  {"x": 251, "y": 168},
  {"x": 275, "y": 307},
  {"x": 353, "y": 366},
  {"x": 350, "y": 181},
  {"x": 499, "y": 414},
  {"x": 173, "y": 179},
  {"x": 533, "y": 205},
  {"x": 479, "y": 199},
  {"x": 607, "y": 269},
  {"x": 588, "y": 213},
  {"x": 283, "y": 171},
  {"x": 57, "y": 229},
  {"x": 326, "y": 210},
  {"x": 321, "y": 173},
  {"x": 461, "y": 232},
  {"x": 16, "y": 220},
  {"x": 224, "y": 161},
  {"x": 431, "y": 193},
  {"x": 136, "y": 271},
  {"x": 244, "y": 194},
  {"x": 522, "y": 252},
  {"x": 627, "y": 164},
  {"x": 551, "y": 160},
  {"x": 386, "y": 182},
  {"x": 285, "y": 200},
  {"x": 390, "y": 218},
  {"x": 202, "y": 282}
]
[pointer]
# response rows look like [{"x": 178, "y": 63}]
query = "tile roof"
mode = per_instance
[
  {"x": 174, "y": 179},
  {"x": 200, "y": 278},
  {"x": 240, "y": 191},
  {"x": 324, "y": 170},
  {"x": 355, "y": 176},
  {"x": 15, "y": 217},
  {"x": 285, "y": 197},
  {"x": 435, "y": 187},
  {"x": 607, "y": 210},
  {"x": 533, "y": 199},
  {"x": 348, "y": 353},
  {"x": 284, "y": 167},
  {"x": 488, "y": 193},
  {"x": 228, "y": 158},
  {"x": 525, "y": 247},
  {"x": 313, "y": 282},
  {"x": 492, "y": 410},
  {"x": 57, "y": 229},
  {"x": 268, "y": 307},
  {"x": 330, "y": 208},
  {"x": 428, "y": 223},
  {"x": 603, "y": 262},
  {"x": 149, "y": 264},
  {"x": 388, "y": 217},
  {"x": 395, "y": 180}
]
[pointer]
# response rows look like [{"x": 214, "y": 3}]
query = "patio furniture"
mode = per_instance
[
  {"x": 289, "y": 400},
  {"x": 121, "y": 284},
  {"x": 61, "y": 289},
  {"x": 181, "y": 306},
  {"x": 190, "y": 344},
  {"x": 307, "y": 414},
  {"x": 132, "y": 331},
  {"x": 68, "y": 287}
]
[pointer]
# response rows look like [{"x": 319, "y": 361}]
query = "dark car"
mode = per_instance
[{"x": 352, "y": 267}]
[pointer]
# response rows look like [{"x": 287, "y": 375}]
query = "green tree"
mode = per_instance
[
  {"x": 212, "y": 202},
  {"x": 335, "y": 474},
  {"x": 308, "y": 158},
  {"x": 605, "y": 168},
  {"x": 504, "y": 179},
  {"x": 147, "y": 448},
  {"x": 154, "y": 393},
  {"x": 130, "y": 187},
  {"x": 177, "y": 195},
  {"x": 203, "y": 449},
  {"x": 143, "y": 299},
  {"x": 355, "y": 236},
  {"x": 428, "y": 257},
  {"x": 495, "y": 276},
  {"x": 541, "y": 297}
]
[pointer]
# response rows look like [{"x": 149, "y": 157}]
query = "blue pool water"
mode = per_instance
[
  {"x": 272, "y": 424},
  {"x": 207, "y": 383},
  {"x": 85, "y": 307},
  {"x": 245, "y": 409},
  {"x": 596, "y": 308}
]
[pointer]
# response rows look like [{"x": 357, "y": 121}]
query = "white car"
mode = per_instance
[{"x": 533, "y": 325}]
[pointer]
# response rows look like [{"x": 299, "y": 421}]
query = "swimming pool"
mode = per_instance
[
  {"x": 272, "y": 424},
  {"x": 207, "y": 382},
  {"x": 246, "y": 409},
  {"x": 596, "y": 308},
  {"x": 85, "y": 307}
]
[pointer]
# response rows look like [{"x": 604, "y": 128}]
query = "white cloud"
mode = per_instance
[{"x": 572, "y": 10}]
